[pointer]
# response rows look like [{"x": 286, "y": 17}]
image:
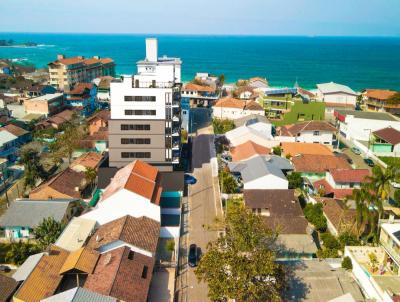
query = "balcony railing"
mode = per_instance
[
  {"x": 392, "y": 252},
  {"x": 152, "y": 84}
]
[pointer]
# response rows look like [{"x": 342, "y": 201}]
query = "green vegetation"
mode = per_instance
[
  {"x": 303, "y": 112},
  {"x": 330, "y": 248},
  {"x": 222, "y": 126},
  {"x": 277, "y": 150},
  {"x": 347, "y": 238},
  {"x": 241, "y": 264},
  {"x": 18, "y": 252},
  {"x": 67, "y": 142},
  {"x": 347, "y": 264},
  {"x": 390, "y": 161},
  {"x": 314, "y": 214},
  {"x": 47, "y": 232},
  {"x": 227, "y": 182},
  {"x": 295, "y": 180},
  {"x": 396, "y": 198},
  {"x": 34, "y": 171}
]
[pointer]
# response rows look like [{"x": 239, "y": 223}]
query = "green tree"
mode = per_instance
[
  {"x": 241, "y": 263},
  {"x": 34, "y": 171},
  {"x": 47, "y": 232},
  {"x": 90, "y": 176},
  {"x": 295, "y": 180},
  {"x": 222, "y": 126},
  {"x": 277, "y": 150},
  {"x": 227, "y": 182},
  {"x": 314, "y": 214},
  {"x": 221, "y": 79},
  {"x": 67, "y": 142},
  {"x": 397, "y": 198},
  {"x": 347, "y": 264},
  {"x": 348, "y": 239},
  {"x": 20, "y": 251}
]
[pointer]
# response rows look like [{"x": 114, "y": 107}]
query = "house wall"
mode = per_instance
[
  {"x": 233, "y": 113},
  {"x": 325, "y": 138},
  {"x": 267, "y": 182},
  {"x": 340, "y": 98}
]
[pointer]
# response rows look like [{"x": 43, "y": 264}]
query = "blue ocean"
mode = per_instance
[{"x": 370, "y": 62}]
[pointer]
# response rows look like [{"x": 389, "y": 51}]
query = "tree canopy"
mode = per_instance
[
  {"x": 241, "y": 263},
  {"x": 47, "y": 232}
]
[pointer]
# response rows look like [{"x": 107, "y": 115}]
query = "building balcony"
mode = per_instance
[
  {"x": 176, "y": 132},
  {"x": 176, "y": 146},
  {"x": 395, "y": 255},
  {"x": 175, "y": 159},
  {"x": 176, "y": 118},
  {"x": 152, "y": 84}
]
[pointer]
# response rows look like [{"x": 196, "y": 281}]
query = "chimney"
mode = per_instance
[
  {"x": 60, "y": 57},
  {"x": 151, "y": 49}
]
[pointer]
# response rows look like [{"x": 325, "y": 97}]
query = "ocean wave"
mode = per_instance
[
  {"x": 45, "y": 45},
  {"x": 19, "y": 59}
]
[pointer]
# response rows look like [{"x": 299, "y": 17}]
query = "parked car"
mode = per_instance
[
  {"x": 369, "y": 162},
  {"x": 193, "y": 256},
  {"x": 395, "y": 185},
  {"x": 189, "y": 179},
  {"x": 356, "y": 150},
  {"x": 5, "y": 269}
]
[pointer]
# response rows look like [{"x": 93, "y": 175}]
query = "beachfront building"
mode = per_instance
[
  {"x": 66, "y": 72},
  {"x": 333, "y": 93},
  {"x": 145, "y": 112},
  {"x": 379, "y": 100},
  {"x": 199, "y": 94},
  {"x": 231, "y": 108},
  {"x": 45, "y": 105},
  {"x": 82, "y": 97}
]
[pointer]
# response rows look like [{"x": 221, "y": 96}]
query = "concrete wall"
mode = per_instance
[
  {"x": 233, "y": 113},
  {"x": 267, "y": 182}
]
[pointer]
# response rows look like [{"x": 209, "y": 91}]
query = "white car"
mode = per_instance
[{"x": 395, "y": 185}]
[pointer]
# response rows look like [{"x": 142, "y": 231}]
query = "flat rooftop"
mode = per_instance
[
  {"x": 47, "y": 97},
  {"x": 381, "y": 116}
]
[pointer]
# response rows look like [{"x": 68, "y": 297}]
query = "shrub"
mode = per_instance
[
  {"x": 346, "y": 263},
  {"x": 348, "y": 238},
  {"x": 277, "y": 150},
  {"x": 314, "y": 214},
  {"x": 227, "y": 182},
  {"x": 222, "y": 126},
  {"x": 396, "y": 198},
  {"x": 327, "y": 253},
  {"x": 330, "y": 242},
  {"x": 295, "y": 180}
]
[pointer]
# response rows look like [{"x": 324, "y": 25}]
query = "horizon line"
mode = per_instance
[{"x": 202, "y": 34}]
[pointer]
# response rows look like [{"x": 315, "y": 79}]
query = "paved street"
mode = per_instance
[{"x": 200, "y": 211}]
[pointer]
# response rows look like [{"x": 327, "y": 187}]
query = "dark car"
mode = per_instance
[
  {"x": 189, "y": 179},
  {"x": 5, "y": 269},
  {"x": 193, "y": 256},
  {"x": 369, "y": 162}
]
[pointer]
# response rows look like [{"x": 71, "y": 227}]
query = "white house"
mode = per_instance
[
  {"x": 333, "y": 93},
  {"x": 359, "y": 125},
  {"x": 263, "y": 172},
  {"x": 320, "y": 132},
  {"x": 230, "y": 108},
  {"x": 259, "y": 133}
]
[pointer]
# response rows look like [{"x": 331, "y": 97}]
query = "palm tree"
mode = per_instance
[
  {"x": 90, "y": 176},
  {"x": 362, "y": 210}
]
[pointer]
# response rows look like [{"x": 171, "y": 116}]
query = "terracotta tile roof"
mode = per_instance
[
  {"x": 45, "y": 278},
  {"x": 141, "y": 232},
  {"x": 334, "y": 210},
  {"x": 118, "y": 276},
  {"x": 106, "y": 60},
  {"x": 329, "y": 190},
  {"x": 82, "y": 260},
  {"x": 102, "y": 115},
  {"x": 91, "y": 61},
  {"x": 65, "y": 183},
  {"x": 305, "y": 92},
  {"x": 17, "y": 131},
  {"x": 61, "y": 117},
  {"x": 137, "y": 177},
  {"x": 87, "y": 160},
  {"x": 313, "y": 163},
  {"x": 389, "y": 134},
  {"x": 295, "y": 129},
  {"x": 195, "y": 87},
  {"x": 7, "y": 287},
  {"x": 80, "y": 88},
  {"x": 305, "y": 148},
  {"x": 349, "y": 175},
  {"x": 254, "y": 79},
  {"x": 69, "y": 61},
  {"x": 229, "y": 102},
  {"x": 287, "y": 225},
  {"x": 253, "y": 105},
  {"x": 380, "y": 94},
  {"x": 247, "y": 150}
]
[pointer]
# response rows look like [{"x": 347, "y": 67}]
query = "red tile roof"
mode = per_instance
[
  {"x": 389, "y": 134},
  {"x": 328, "y": 189},
  {"x": 88, "y": 160},
  {"x": 80, "y": 88},
  {"x": 229, "y": 102},
  {"x": 349, "y": 175},
  {"x": 102, "y": 115},
  {"x": 138, "y": 177},
  {"x": 305, "y": 148},
  {"x": 17, "y": 131},
  {"x": 380, "y": 94},
  {"x": 295, "y": 129},
  {"x": 337, "y": 215},
  {"x": 195, "y": 87},
  {"x": 312, "y": 163},
  {"x": 247, "y": 150}
]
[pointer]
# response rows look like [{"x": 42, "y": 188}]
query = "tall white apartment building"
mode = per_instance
[{"x": 145, "y": 112}]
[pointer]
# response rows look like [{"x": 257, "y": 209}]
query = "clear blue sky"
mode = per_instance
[{"x": 248, "y": 17}]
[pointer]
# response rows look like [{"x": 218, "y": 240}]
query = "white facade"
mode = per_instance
[
  {"x": 320, "y": 137},
  {"x": 361, "y": 129},
  {"x": 259, "y": 133},
  {"x": 233, "y": 113},
  {"x": 336, "y": 93},
  {"x": 267, "y": 182}
]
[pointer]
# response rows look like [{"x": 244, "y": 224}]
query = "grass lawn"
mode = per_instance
[
  {"x": 303, "y": 112},
  {"x": 391, "y": 161}
]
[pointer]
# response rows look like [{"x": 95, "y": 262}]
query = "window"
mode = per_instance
[
  {"x": 144, "y": 272},
  {"x": 316, "y": 133},
  {"x": 135, "y": 154},
  {"x": 135, "y": 141},
  {"x": 138, "y": 98},
  {"x": 140, "y": 127},
  {"x": 131, "y": 255},
  {"x": 140, "y": 112}
]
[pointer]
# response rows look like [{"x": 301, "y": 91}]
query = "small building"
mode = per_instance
[
  {"x": 23, "y": 136},
  {"x": 263, "y": 172},
  {"x": 66, "y": 184},
  {"x": 379, "y": 100},
  {"x": 258, "y": 82},
  {"x": 316, "y": 132},
  {"x": 340, "y": 219},
  {"x": 282, "y": 212},
  {"x": 248, "y": 150},
  {"x": 87, "y": 160},
  {"x": 259, "y": 133},
  {"x": 230, "y": 108},
  {"x": 46, "y": 105},
  {"x": 39, "y": 90},
  {"x": 98, "y": 121},
  {"x": 333, "y": 93},
  {"x": 103, "y": 89},
  {"x": 359, "y": 125},
  {"x": 340, "y": 183},
  {"x": 386, "y": 142},
  {"x": 8, "y": 145},
  {"x": 25, "y": 214},
  {"x": 82, "y": 97},
  {"x": 57, "y": 120},
  {"x": 199, "y": 94}
]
